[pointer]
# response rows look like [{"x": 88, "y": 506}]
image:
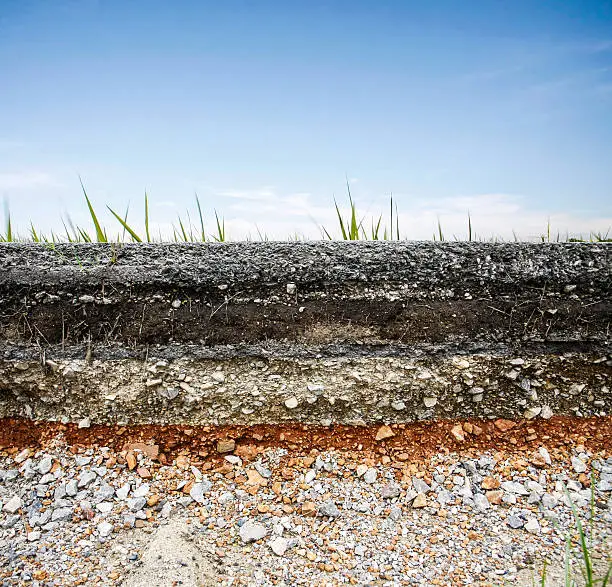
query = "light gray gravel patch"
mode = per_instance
[{"x": 436, "y": 523}]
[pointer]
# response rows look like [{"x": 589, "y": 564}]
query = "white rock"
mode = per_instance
[
  {"x": 546, "y": 412},
  {"x": 198, "y": 490},
  {"x": 292, "y": 402},
  {"x": 45, "y": 465},
  {"x": 218, "y": 376},
  {"x": 430, "y": 402},
  {"x": 531, "y": 413},
  {"x": 142, "y": 490},
  {"x": 34, "y": 536},
  {"x": 532, "y": 526},
  {"x": 578, "y": 465},
  {"x": 12, "y": 505},
  {"x": 361, "y": 470},
  {"x": 104, "y": 507},
  {"x": 370, "y": 475},
  {"x": 545, "y": 454},
  {"x": 85, "y": 423},
  {"x": 22, "y": 456},
  {"x": 105, "y": 529},
  {"x": 123, "y": 491},
  {"x": 252, "y": 531},
  {"x": 279, "y": 545}
]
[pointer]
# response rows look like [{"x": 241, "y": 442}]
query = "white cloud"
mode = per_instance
[
  {"x": 27, "y": 180},
  {"x": 492, "y": 216}
]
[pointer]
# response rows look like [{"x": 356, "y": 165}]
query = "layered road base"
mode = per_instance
[{"x": 318, "y": 333}]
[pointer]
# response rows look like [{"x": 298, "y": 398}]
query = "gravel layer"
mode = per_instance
[{"x": 262, "y": 515}]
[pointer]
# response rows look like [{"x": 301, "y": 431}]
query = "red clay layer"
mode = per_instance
[{"x": 410, "y": 441}]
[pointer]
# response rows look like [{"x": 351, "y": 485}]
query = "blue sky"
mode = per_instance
[{"x": 262, "y": 107}]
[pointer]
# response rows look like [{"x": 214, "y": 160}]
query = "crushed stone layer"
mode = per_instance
[
  {"x": 342, "y": 389},
  {"x": 448, "y": 503}
]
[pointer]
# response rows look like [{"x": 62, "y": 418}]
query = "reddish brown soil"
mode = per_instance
[{"x": 411, "y": 442}]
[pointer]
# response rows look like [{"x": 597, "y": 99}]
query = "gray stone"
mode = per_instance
[
  {"x": 514, "y": 487},
  {"x": 105, "y": 492},
  {"x": 445, "y": 497},
  {"x": 72, "y": 488},
  {"x": 263, "y": 470},
  {"x": 123, "y": 491},
  {"x": 85, "y": 423},
  {"x": 292, "y": 402},
  {"x": 279, "y": 545},
  {"x": 328, "y": 508},
  {"x": 604, "y": 485},
  {"x": 370, "y": 475},
  {"x": 60, "y": 491},
  {"x": 515, "y": 522},
  {"x": 534, "y": 487},
  {"x": 86, "y": 478},
  {"x": 61, "y": 515},
  {"x": 105, "y": 529},
  {"x": 420, "y": 486},
  {"x": 252, "y": 532},
  {"x": 104, "y": 507},
  {"x": 481, "y": 502},
  {"x": 390, "y": 491},
  {"x": 578, "y": 465},
  {"x": 199, "y": 489},
  {"x": 13, "y": 504},
  {"x": 11, "y": 521},
  {"x": 45, "y": 465},
  {"x": 135, "y": 504},
  {"x": 142, "y": 490}
]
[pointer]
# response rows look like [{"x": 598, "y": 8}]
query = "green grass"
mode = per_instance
[
  {"x": 584, "y": 556},
  {"x": 351, "y": 226}
]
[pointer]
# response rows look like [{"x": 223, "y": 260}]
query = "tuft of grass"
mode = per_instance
[
  {"x": 586, "y": 558},
  {"x": 353, "y": 226}
]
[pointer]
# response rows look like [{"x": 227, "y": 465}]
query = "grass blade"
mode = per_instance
[
  {"x": 391, "y": 220},
  {"x": 588, "y": 566},
  {"x": 147, "y": 218},
  {"x": 440, "y": 233},
  {"x": 35, "y": 237},
  {"x": 341, "y": 221},
  {"x": 469, "y": 227},
  {"x": 183, "y": 231},
  {"x": 220, "y": 237},
  {"x": 202, "y": 233},
  {"x": 125, "y": 225},
  {"x": 100, "y": 235}
]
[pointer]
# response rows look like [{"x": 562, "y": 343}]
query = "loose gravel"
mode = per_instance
[{"x": 249, "y": 515}]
